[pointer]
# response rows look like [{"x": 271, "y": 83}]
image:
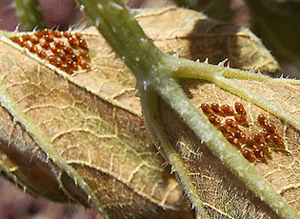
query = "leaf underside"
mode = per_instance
[
  {"x": 221, "y": 190},
  {"x": 94, "y": 124}
]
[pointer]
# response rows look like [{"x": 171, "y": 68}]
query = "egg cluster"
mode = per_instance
[
  {"x": 61, "y": 49},
  {"x": 229, "y": 120}
]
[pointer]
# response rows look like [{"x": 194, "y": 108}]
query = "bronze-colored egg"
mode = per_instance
[
  {"x": 26, "y": 37},
  {"x": 259, "y": 154},
  {"x": 257, "y": 137},
  {"x": 84, "y": 55},
  {"x": 46, "y": 45},
  {"x": 67, "y": 34},
  {"x": 45, "y": 32},
  {"x": 84, "y": 65},
  {"x": 249, "y": 155},
  {"x": 68, "y": 50},
  {"x": 231, "y": 123},
  {"x": 239, "y": 108},
  {"x": 82, "y": 44},
  {"x": 39, "y": 34},
  {"x": 214, "y": 119},
  {"x": 57, "y": 34},
  {"x": 32, "y": 48},
  {"x": 79, "y": 36},
  {"x": 49, "y": 38},
  {"x": 240, "y": 118},
  {"x": 41, "y": 54},
  {"x": 73, "y": 42},
  {"x": 227, "y": 110},
  {"x": 215, "y": 107},
  {"x": 59, "y": 44},
  {"x": 250, "y": 142},
  {"x": 261, "y": 119},
  {"x": 206, "y": 108},
  {"x": 35, "y": 40}
]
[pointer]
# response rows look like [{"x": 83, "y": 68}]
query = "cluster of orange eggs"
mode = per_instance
[
  {"x": 254, "y": 148},
  {"x": 61, "y": 49}
]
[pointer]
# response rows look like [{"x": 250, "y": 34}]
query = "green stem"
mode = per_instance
[
  {"x": 129, "y": 42},
  {"x": 205, "y": 71},
  {"x": 149, "y": 100},
  {"x": 30, "y": 14},
  {"x": 258, "y": 100},
  {"x": 214, "y": 74}
]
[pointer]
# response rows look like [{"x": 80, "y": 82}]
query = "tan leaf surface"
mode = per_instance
[
  {"x": 224, "y": 194},
  {"x": 82, "y": 135},
  {"x": 194, "y": 36},
  {"x": 95, "y": 137}
]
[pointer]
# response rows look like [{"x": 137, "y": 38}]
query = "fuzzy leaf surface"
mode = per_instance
[{"x": 82, "y": 136}]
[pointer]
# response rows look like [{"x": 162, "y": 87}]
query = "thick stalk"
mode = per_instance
[
  {"x": 143, "y": 58},
  {"x": 150, "y": 104},
  {"x": 129, "y": 42}
]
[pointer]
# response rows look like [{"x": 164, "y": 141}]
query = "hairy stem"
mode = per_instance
[
  {"x": 130, "y": 43},
  {"x": 215, "y": 74},
  {"x": 150, "y": 99}
]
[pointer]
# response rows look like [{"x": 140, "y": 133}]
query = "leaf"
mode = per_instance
[
  {"x": 194, "y": 36},
  {"x": 156, "y": 73},
  {"x": 81, "y": 135},
  {"x": 224, "y": 194},
  {"x": 72, "y": 137}
]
